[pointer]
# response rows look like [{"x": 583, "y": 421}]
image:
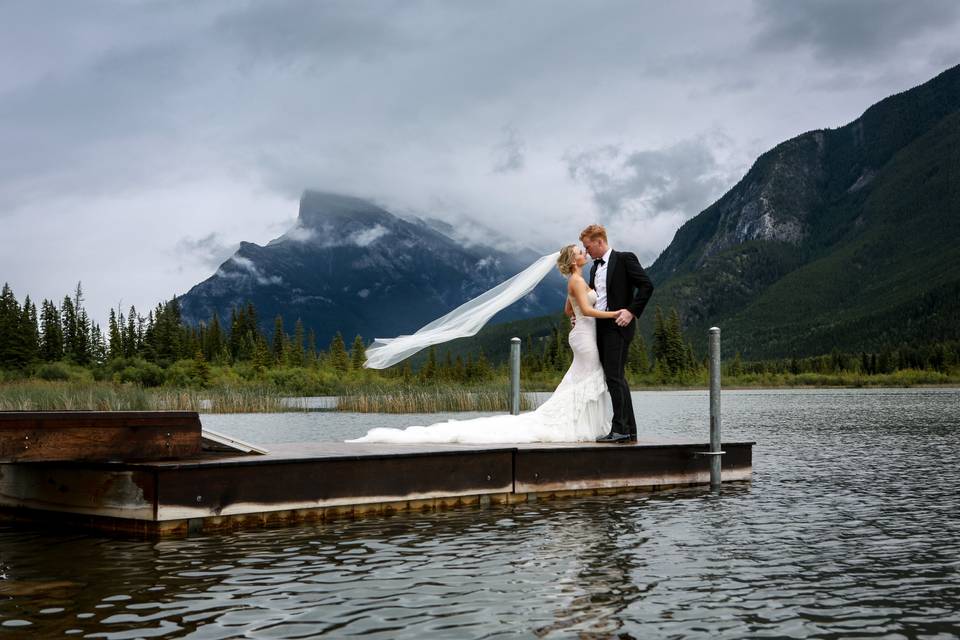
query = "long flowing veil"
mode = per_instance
[{"x": 466, "y": 320}]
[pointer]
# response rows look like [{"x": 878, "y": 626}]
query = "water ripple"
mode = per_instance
[{"x": 848, "y": 530}]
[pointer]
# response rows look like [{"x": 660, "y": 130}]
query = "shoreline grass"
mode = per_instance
[
  {"x": 40, "y": 395},
  {"x": 43, "y": 395},
  {"x": 435, "y": 399}
]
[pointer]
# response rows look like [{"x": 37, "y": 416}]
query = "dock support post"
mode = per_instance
[
  {"x": 715, "y": 452},
  {"x": 514, "y": 376}
]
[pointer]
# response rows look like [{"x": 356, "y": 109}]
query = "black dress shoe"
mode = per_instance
[{"x": 613, "y": 436}]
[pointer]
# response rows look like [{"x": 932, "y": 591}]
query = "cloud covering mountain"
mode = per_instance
[
  {"x": 349, "y": 265},
  {"x": 146, "y": 140}
]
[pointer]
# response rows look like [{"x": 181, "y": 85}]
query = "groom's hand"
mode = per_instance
[
  {"x": 573, "y": 321},
  {"x": 624, "y": 317}
]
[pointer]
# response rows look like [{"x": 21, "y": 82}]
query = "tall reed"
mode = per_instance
[
  {"x": 428, "y": 400},
  {"x": 71, "y": 396}
]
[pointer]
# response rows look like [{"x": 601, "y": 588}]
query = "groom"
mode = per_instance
[{"x": 621, "y": 285}]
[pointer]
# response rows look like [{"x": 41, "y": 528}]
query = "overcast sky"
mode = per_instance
[{"x": 142, "y": 140}]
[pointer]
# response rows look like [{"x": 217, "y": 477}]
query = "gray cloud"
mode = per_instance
[
  {"x": 851, "y": 30},
  {"x": 682, "y": 178},
  {"x": 158, "y": 135},
  {"x": 211, "y": 250},
  {"x": 644, "y": 195},
  {"x": 508, "y": 153}
]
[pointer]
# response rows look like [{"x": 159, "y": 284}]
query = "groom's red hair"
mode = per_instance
[{"x": 593, "y": 232}]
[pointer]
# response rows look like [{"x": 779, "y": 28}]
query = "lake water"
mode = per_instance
[{"x": 849, "y": 529}]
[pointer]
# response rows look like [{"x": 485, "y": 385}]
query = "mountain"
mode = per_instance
[
  {"x": 843, "y": 238},
  {"x": 349, "y": 265}
]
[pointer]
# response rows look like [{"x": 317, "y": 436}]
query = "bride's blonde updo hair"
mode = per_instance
[{"x": 566, "y": 263}]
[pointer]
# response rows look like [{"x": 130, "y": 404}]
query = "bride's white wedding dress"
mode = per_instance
[{"x": 579, "y": 410}]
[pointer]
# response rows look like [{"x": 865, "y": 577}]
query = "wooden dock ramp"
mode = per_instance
[{"x": 208, "y": 490}]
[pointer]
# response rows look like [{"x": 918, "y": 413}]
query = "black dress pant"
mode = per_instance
[{"x": 613, "y": 343}]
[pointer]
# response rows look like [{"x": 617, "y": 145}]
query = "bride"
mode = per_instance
[{"x": 579, "y": 410}]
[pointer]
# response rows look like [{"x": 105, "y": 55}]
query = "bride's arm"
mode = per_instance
[{"x": 578, "y": 289}]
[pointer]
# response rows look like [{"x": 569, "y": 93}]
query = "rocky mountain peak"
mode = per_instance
[
  {"x": 319, "y": 209},
  {"x": 841, "y": 237},
  {"x": 349, "y": 265},
  {"x": 789, "y": 193}
]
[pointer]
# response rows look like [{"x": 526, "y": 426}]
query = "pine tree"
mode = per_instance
[
  {"x": 9, "y": 324},
  {"x": 676, "y": 356},
  {"x": 660, "y": 339},
  {"x": 550, "y": 353},
  {"x": 166, "y": 339},
  {"x": 296, "y": 347},
  {"x": 311, "y": 354},
  {"x": 76, "y": 328},
  {"x": 564, "y": 354},
  {"x": 428, "y": 372},
  {"x": 529, "y": 359},
  {"x": 213, "y": 345},
  {"x": 133, "y": 334},
  {"x": 31, "y": 331},
  {"x": 51, "y": 336},
  {"x": 83, "y": 347},
  {"x": 279, "y": 339},
  {"x": 68, "y": 317},
  {"x": 201, "y": 367},
  {"x": 97, "y": 345},
  {"x": 446, "y": 371},
  {"x": 358, "y": 353},
  {"x": 262, "y": 357},
  {"x": 482, "y": 368},
  {"x": 235, "y": 333},
  {"x": 736, "y": 367},
  {"x": 244, "y": 333},
  {"x": 691, "y": 365},
  {"x": 115, "y": 339},
  {"x": 338, "y": 354},
  {"x": 637, "y": 360}
]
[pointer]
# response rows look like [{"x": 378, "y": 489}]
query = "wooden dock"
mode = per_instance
[{"x": 314, "y": 482}]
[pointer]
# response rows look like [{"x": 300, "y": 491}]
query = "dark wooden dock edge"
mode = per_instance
[{"x": 335, "y": 481}]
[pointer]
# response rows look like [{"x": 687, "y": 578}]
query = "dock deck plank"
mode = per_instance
[{"x": 296, "y": 482}]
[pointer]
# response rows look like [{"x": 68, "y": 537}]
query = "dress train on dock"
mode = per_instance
[{"x": 578, "y": 411}]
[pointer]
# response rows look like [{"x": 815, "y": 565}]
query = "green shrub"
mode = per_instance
[
  {"x": 54, "y": 371},
  {"x": 137, "y": 371},
  {"x": 63, "y": 371},
  {"x": 187, "y": 374}
]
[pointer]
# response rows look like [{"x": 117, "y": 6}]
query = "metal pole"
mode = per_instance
[
  {"x": 515, "y": 376},
  {"x": 715, "y": 452}
]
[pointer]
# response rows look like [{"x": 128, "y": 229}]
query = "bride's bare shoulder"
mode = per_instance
[{"x": 575, "y": 282}]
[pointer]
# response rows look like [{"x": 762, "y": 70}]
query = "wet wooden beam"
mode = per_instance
[
  {"x": 233, "y": 487},
  {"x": 97, "y": 490},
  {"x": 541, "y": 468},
  {"x": 48, "y": 436},
  {"x": 319, "y": 482}
]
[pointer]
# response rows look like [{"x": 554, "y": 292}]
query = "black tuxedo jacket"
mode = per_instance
[{"x": 628, "y": 286}]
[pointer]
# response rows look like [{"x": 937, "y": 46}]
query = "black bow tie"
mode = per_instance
[{"x": 599, "y": 262}]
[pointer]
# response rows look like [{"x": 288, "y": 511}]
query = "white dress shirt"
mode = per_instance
[{"x": 600, "y": 282}]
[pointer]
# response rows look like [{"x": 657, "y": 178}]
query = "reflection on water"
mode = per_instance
[{"x": 848, "y": 529}]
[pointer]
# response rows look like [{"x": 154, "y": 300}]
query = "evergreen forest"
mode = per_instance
[{"x": 59, "y": 342}]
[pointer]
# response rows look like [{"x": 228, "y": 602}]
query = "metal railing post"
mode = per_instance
[
  {"x": 715, "y": 452},
  {"x": 515, "y": 376}
]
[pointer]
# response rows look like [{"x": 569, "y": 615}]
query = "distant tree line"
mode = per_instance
[
  {"x": 942, "y": 357},
  {"x": 160, "y": 348}
]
